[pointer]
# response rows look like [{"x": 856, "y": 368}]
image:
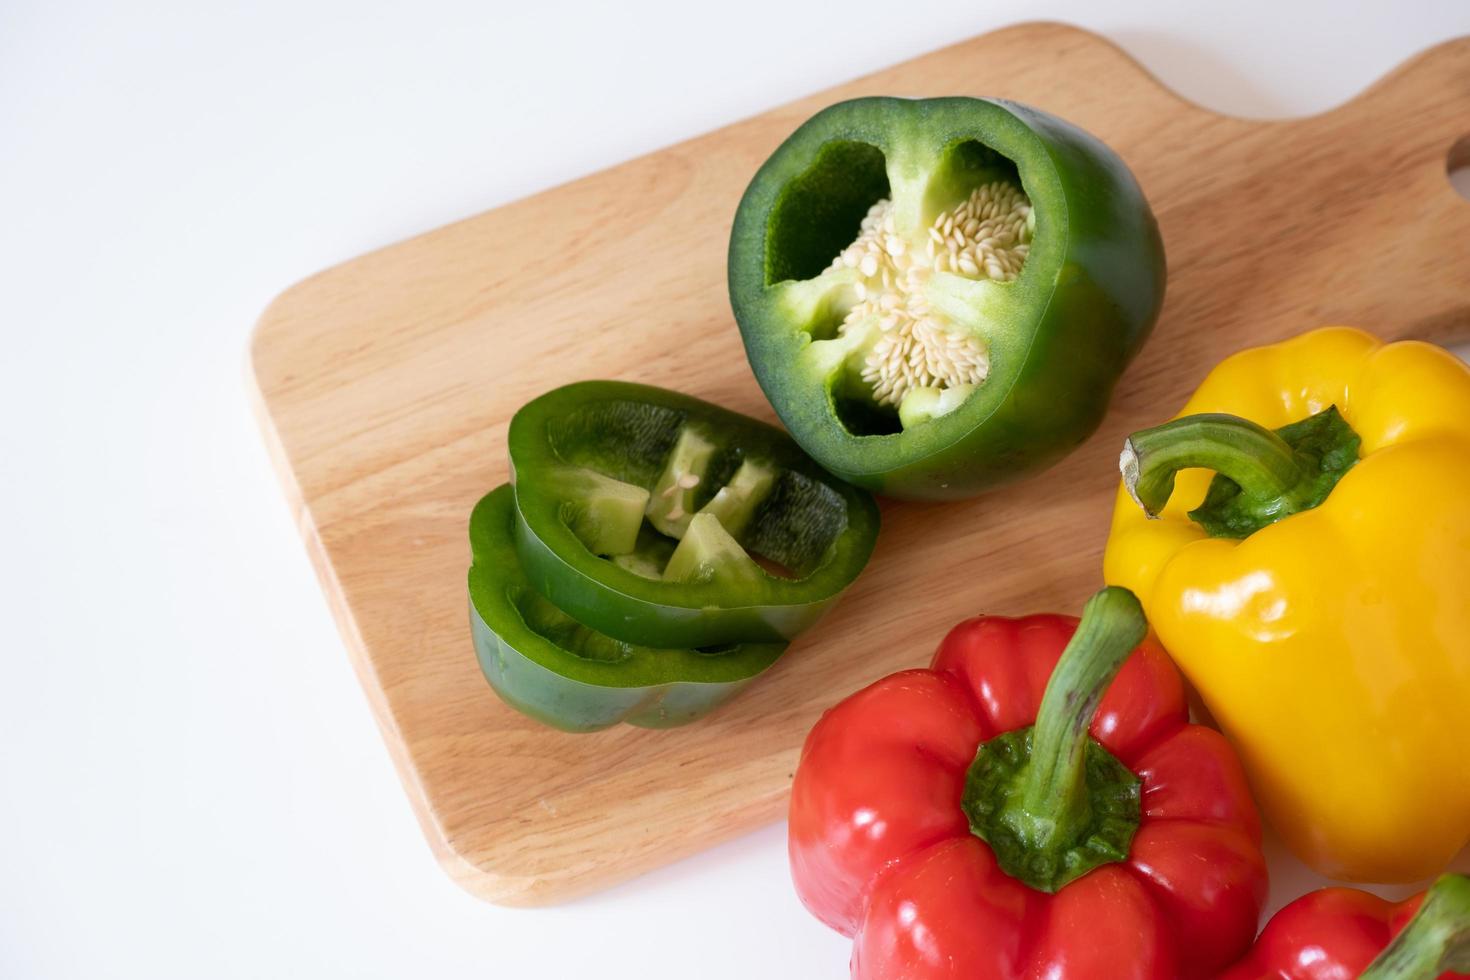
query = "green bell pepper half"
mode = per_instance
[
  {"x": 549, "y": 666},
  {"x": 658, "y": 518},
  {"x": 1053, "y": 339}
]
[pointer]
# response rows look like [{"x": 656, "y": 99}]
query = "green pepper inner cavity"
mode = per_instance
[
  {"x": 663, "y": 498},
  {"x": 900, "y": 304}
]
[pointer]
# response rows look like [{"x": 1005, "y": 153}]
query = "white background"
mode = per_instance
[{"x": 190, "y": 782}]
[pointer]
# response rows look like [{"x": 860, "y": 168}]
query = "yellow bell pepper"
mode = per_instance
[{"x": 1325, "y": 618}]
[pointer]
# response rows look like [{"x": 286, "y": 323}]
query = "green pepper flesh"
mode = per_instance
[
  {"x": 1057, "y": 337},
  {"x": 778, "y": 540},
  {"x": 549, "y": 666}
]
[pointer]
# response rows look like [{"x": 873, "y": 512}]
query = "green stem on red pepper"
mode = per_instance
[
  {"x": 1436, "y": 940},
  {"x": 1261, "y": 475},
  {"x": 1052, "y": 803}
]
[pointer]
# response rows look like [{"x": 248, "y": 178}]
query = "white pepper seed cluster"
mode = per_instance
[{"x": 985, "y": 237}]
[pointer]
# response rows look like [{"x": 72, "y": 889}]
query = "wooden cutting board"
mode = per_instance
[{"x": 385, "y": 386}]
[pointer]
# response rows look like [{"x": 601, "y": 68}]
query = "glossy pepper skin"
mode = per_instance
[
  {"x": 882, "y": 850},
  {"x": 1333, "y": 646},
  {"x": 1343, "y": 933},
  {"x": 546, "y": 665},
  {"x": 1058, "y": 336},
  {"x": 594, "y": 464}
]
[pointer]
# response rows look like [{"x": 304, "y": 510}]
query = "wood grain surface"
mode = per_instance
[{"x": 385, "y": 385}]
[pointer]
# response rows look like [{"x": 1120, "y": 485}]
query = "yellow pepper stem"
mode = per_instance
[
  {"x": 1250, "y": 454},
  {"x": 1436, "y": 940},
  {"x": 1261, "y": 476}
]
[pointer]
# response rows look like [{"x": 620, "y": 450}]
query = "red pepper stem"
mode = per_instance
[
  {"x": 1251, "y": 455},
  {"x": 1053, "y": 801},
  {"x": 1436, "y": 940}
]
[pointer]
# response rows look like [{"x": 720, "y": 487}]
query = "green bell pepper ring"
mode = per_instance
[
  {"x": 658, "y": 518},
  {"x": 547, "y": 665},
  {"x": 938, "y": 295}
]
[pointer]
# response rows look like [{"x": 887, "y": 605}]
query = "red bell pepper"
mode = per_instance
[
  {"x": 1339, "y": 933},
  {"x": 1134, "y": 852}
]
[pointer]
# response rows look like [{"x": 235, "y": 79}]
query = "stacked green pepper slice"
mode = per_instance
[
  {"x": 655, "y": 553},
  {"x": 555, "y": 669}
]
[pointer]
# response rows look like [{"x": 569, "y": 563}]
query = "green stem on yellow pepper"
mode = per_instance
[
  {"x": 1261, "y": 476},
  {"x": 1252, "y": 455}
]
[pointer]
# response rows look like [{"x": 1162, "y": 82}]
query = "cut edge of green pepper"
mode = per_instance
[
  {"x": 737, "y": 599},
  {"x": 788, "y": 324},
  {"x": 1000, "y": 311}
]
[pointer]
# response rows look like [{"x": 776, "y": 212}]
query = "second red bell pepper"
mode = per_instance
[
  {"x": 1338, "y": 933},
  {"x": 1095, "y": 832}
]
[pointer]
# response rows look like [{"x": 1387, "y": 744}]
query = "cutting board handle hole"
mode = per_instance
[{"x": 1458, "y": 167}]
